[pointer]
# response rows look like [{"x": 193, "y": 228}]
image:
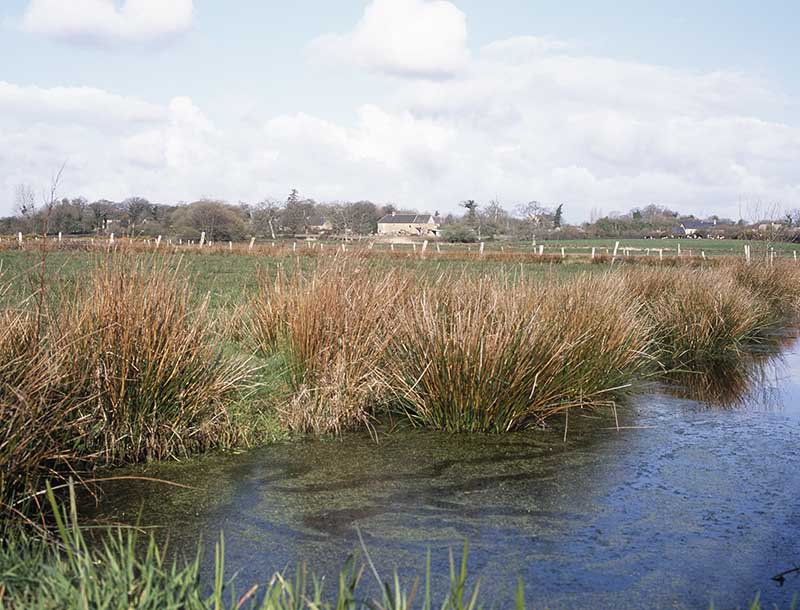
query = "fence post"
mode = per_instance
[
  {"x": 252, "y": 241},
  {"x": 541, "y": 250},
  {"x": 593, "y": 250},
  {"x": 481, "y": 249},
  {"x": 19, "y": 238},
  {"x": 563, "y": 254},
  {"x": 202, "y": 238},
  {"x": 424, "y": 246}
]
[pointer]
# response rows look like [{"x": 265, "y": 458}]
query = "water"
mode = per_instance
[{"x": 685, "y": 504}]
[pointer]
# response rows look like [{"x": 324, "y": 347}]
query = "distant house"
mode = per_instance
[
  {"x": 693, "y": 228},
  {"x": 409, "y": 224}
]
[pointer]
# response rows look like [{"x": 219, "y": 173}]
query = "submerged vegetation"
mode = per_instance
[{"x": 124, "y": 573}]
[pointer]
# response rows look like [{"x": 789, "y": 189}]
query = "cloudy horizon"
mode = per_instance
[{"x": 421, "y": 103}]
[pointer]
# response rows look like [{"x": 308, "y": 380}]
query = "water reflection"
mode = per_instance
[{"x": 751, "y": 379}]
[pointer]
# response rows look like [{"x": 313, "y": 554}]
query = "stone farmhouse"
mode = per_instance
[{"x": 409, "y": 224}]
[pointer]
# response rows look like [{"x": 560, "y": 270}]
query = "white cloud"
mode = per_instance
[
  {"x": 409, "y": 38},
  {"x": 85, "y": 103},
  {"x": 523, "y": 119},
  {"x": 102, "y": 22}
]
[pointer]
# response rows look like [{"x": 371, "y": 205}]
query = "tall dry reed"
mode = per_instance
[
  {"x": 126, "y": 370},
  {"x": 149, "y": 357},
  {"x": 331, "y": 330},
  {"x": 488, "y": 356},
  {"x": 700, "y": 318}
]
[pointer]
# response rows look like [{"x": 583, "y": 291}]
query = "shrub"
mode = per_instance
[{"x": 459, "y": 232}]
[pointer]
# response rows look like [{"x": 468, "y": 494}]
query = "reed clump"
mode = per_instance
[
  {"x": 330, "y": 329},
  {"x": 775, "y": 285},
  {"x": 148, "y": 357},
  {"x": 42, "y": 425},
  {"x": 489, "y": 356},
  {"x": 124, "y": 371},
  {"x": 700, "y": 318}
]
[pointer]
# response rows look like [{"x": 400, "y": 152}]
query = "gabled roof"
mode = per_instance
[{"x": 408, "y": 219}]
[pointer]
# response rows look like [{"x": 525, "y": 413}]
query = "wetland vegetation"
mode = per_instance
[{"x": 130, "y": 357}]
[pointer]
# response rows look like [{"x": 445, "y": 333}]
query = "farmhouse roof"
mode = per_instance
[{"x": 407, "y": 219}]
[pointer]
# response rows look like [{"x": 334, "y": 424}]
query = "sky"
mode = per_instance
[{"x": 421, "y": 103}]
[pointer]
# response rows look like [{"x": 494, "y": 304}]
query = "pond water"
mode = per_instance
[{"x": 685, "y": 504}]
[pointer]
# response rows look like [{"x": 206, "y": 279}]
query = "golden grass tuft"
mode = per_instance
[
  {"x": 331, "y": 330},
  {"x": 489, "y": 356}
]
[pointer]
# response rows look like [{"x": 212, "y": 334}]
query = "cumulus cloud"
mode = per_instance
[
  {"x": 407, "y": 38},
  {"x": 102, "y": 22},
  {"x": 522, "y": 119}
]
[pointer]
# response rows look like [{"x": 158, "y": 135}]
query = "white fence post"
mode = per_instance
[{"x": 202, "y": 238}]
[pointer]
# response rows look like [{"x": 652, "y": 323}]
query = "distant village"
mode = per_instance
[{"x": 301, "y": 217}]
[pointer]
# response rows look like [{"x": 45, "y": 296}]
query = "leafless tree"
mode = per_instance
[{"x": 24, "y": 201}]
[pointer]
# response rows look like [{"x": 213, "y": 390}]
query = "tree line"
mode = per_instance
[{"x": 298, "y": 215}]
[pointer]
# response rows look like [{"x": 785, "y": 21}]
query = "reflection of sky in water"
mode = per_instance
[{"x": 685, "y": 504}]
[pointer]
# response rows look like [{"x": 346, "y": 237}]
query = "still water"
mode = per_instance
[{"x": 686, "y": 503}]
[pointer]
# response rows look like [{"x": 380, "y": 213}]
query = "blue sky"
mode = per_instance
[{"x": 691, "y": 104}]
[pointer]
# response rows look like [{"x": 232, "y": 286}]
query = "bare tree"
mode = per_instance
[
  {"x": 267, "y": 213},
  {"x": 24, "y": 201}
]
